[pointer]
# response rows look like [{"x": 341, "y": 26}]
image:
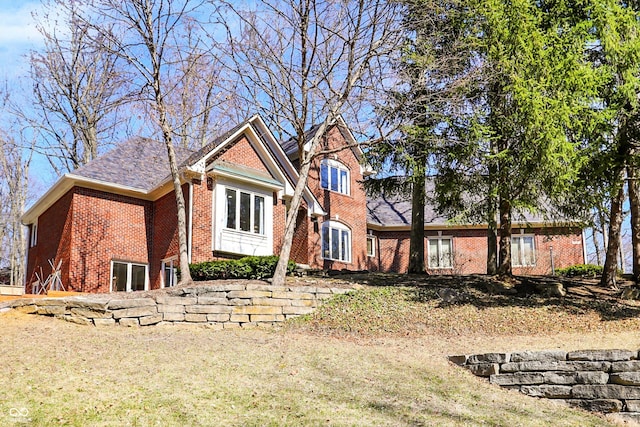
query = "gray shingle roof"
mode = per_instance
[
  {"x": 290, "y": 146},
  {"x": 396, "y": 211},
  {"x": 139, "y": 163}
]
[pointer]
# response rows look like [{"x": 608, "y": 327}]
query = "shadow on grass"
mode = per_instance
[{"x": 484, "y": 291}]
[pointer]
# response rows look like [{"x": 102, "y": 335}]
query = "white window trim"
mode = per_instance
[
  {"x": 371, "y": 238},
  {"x": 521, "y": 236},
  {"x": 33, "y": 235},
  {"x": 174, "y": 264},
  {"x": 439, "y": 239},
  {"x": 330, "y": 163},
  {"x": 341, "y": 227},
  {"x": 253, "y": 195},
  {"x": 129, "y": 265}
]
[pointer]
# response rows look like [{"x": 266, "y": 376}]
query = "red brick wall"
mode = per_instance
[
  {"x": 53, "y": 243},
  {"x": 349, "y": 210},
  {"x": 300, "y": 243},
  {"x": 88, "y": 229},
  {"x": 567, "y": 250},
  {"x": 470, "y": 250},
  {"x": 202, "y": 210},
  {"x": 392, "y": 251},
  {"x": 165, "y": 232},
  {"x": 241, "y": 152},
  {"x": 279, "y": 220},
  {"x": 107, "y": 227}
]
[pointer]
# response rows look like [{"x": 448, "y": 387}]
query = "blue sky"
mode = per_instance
[{"x": 18, "y": 34}]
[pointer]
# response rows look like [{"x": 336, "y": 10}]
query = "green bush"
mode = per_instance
[
  {"x": 251, "y": 267},
  {"x": 580, "y": 270}
]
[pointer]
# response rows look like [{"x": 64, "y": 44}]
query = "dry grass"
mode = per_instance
[{"x": 361, "y": 360}]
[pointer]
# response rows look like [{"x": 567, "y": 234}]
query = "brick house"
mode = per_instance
[{"x": 112, "y": 223}]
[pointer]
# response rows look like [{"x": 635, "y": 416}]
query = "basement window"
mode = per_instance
[{"x": 128, "y": 276}]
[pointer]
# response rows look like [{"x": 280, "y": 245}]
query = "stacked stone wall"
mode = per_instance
[
  {"x": 606, "y": 381},
  {"x": 219, "y": 306}
]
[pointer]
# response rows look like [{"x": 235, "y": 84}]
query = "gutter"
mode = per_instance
[{"x": 190, "y": 236}]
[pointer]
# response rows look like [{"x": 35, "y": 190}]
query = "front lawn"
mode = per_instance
[{"x": 377, "y": 357}]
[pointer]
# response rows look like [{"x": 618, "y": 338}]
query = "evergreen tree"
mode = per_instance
[
  {"x": 431, "y": 68},
  {"x": 534, "y": 83},
  {"x": 617, "y": 56},
  {"x": 492, "y": 93}
]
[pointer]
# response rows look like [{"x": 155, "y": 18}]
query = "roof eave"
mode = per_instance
[
  {"x": 443, "y": 226},
  {"x": 66, "y": 183}
]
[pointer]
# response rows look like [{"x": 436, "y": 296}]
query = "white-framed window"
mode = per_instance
[
  {"x": 244, "y": 211},
  {"x": 336, "y": 241},
  {"x": 128, "y": 276},
  {"x": 440, "y": 252},
  {"x": 33, "y": 234},
  {"x": 334, "y": 176},
  {"x": 523, "y": 250},
  {"x": 371, "y": 245},
  {"x": 170, "y": 272}
]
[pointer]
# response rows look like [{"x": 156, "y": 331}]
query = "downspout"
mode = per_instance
[
  {"x": 190, "y": 236},
  {"x": 26, "y": 260}
]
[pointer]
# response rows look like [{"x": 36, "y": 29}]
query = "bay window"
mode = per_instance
[{"x": 245, "y": 211}]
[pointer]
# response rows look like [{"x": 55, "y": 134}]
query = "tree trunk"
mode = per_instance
[
  {"x": 634, "y": 203},
  {"x": 611, "y": 261},
  {"x": 492, "y": 225},
  {"x": 185, "y": 273},
  {"x": 416, "y": 242},
  {"x": 504, "y": 268},
  {"x": 280, "y": 274}
]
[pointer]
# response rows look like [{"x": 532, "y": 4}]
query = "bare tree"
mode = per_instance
[
  {"x": 149, "y": 35},
  {"x": 78, "y": 87},
  {"x": 14, "y": 173},
  {"x": 195, "y": 103},
  {"x": 301, "y": 64}
]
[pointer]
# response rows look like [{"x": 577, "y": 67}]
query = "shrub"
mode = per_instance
[
  {"x": 251, "y": 267},
  {"x": 580, "y": 270}
]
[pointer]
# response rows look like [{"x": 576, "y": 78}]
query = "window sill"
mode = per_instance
[
  {"x": 337, "y": 192},
  {"x": 336, "y": 260},
  {"x": 244, "y": 233}
]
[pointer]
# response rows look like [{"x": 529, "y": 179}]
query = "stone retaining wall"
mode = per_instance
[
  {"x": 606, "y": 381},
  {"x": 217, "y": 306}
]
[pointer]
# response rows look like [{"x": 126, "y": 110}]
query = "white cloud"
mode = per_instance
[
  {"x": 18, "y": 35},
  {"x": 17, "y": 26}
]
